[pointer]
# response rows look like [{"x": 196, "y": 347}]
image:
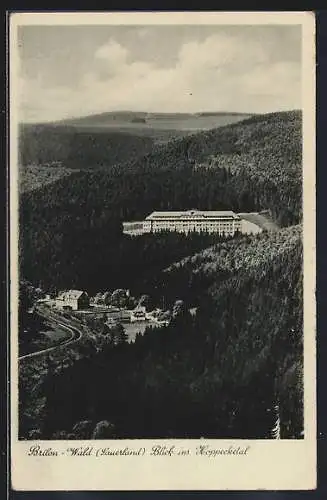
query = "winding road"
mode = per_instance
[{"x": 75, "y": 336}]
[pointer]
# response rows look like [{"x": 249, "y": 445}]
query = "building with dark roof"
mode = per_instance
[{"x": 73, "y": 299}]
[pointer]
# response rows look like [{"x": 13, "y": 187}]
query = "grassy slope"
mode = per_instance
[{"x": 156, "y": 121}]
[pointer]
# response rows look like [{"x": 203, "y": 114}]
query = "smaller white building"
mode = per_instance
[
  {"x": 138, "y": 314},
  {"x": 73, "y": 299},
  {"x": 133, "y": 228}
]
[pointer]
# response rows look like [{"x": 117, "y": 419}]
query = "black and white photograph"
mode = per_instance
[{"x": 160, "y": 199}]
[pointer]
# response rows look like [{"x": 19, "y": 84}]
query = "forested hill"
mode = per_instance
[
  {"x": 217, "y": 374},
  {"x": 207, "y": 269},
  {"x": 264, "y": 152},
  {"x": 143, "y": 121},
  {"x": 241, "y": 353},
  {"x": 248, "y": 166},
  {"x": 49, "y": 144},
  {"x": 278, "y": 133},
  {"x": 109, "y": 138}
]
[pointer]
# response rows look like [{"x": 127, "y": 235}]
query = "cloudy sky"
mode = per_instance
[{"x": 67, "y": 71}]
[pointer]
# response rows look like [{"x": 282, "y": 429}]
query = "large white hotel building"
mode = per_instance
[{"x": 224, "y": 223}]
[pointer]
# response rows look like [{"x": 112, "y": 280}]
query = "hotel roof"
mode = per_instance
[{"x": 192, "y": 213}]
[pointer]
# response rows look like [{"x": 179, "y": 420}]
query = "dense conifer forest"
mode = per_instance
[
  {"x": 45, "y": 144},
  {"x": 109, "y": 138},
  {"x": 248, "y": 166},
  {"x": 217, "y": 373}
]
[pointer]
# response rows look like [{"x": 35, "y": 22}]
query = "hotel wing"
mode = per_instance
[{"x": 222, "y": 222}]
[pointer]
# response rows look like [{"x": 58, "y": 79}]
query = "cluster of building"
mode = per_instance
[
  {"x": 212, "y": 221},
  {"x": 78, "y": 300},
  {"x": 221, "y": 222}
]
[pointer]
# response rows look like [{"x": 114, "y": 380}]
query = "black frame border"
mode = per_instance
[{"x": 321, "y": 292}]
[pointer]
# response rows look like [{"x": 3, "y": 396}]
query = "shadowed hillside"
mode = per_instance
[
  {"x": 48, "y": 144},
  {"x": 218, "y": 374},
  {"x": 254, "y": 165},
  {"x": 109, "y": 138}
]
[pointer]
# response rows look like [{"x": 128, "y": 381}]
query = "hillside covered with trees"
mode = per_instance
[
  {"x": 71, "y": 229},
  {"x": 109, "y": 138},
  {"x": 217, "y": 374},
  {"x": 48, "y": 144}
]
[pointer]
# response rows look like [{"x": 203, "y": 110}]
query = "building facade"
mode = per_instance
[
  {"x": 138, "y": 314},
  {"x": 73, "y": 299},
  {"x": 221, "y": 222}
]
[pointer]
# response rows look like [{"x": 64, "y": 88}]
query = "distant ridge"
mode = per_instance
[
  {"x": 123, "y": 114},
  {"x": 130, "y": 116},
  {"x": 111, "y": 137}
]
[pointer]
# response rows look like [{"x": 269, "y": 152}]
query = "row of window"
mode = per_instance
[
  {"x": 214, "y": 226},
  {"x": 210, "y": 229},
  {"x": 224, "y": 227}
]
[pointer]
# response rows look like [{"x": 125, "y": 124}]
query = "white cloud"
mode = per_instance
[
  {"x": 220, "y": 51},
  {"x": 112, "y": 53},
  {"x": 279, "y": 79},
  {"x": 219, "y": 73}
]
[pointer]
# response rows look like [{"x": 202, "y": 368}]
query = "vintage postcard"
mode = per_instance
[{"x": 162, "y": 244}]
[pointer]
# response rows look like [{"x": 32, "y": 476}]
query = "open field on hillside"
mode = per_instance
[
  {"x": 156, "y": 121},
  {"x": 262, "y": 220},
  {"x": 159, "y": 128}
]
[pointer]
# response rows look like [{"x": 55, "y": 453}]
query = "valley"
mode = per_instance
[{"x": 246, "y": 288}]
